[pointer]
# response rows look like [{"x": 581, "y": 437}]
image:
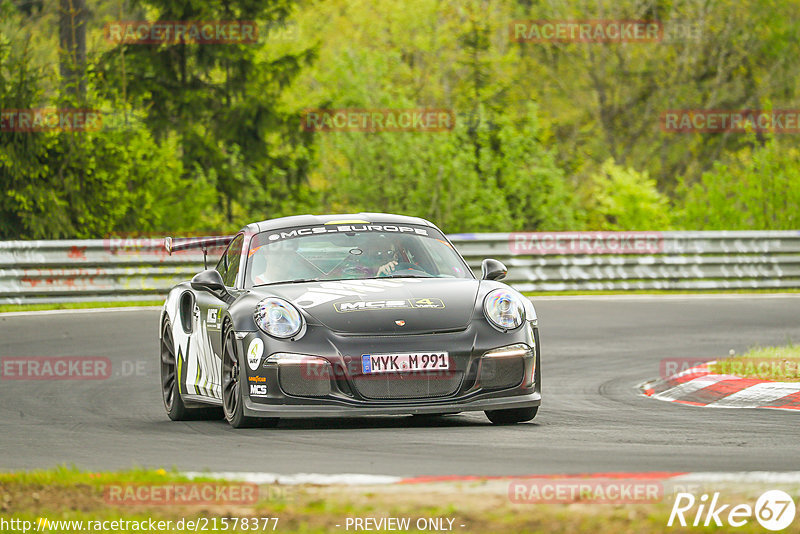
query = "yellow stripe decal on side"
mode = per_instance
[{"x": 180, "y": 374}]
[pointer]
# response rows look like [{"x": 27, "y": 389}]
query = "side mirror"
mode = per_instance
[
  {"x": 208, "y": 280},
  {"x": 493, "y": 270}
]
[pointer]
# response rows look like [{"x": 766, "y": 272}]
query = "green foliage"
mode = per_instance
[
  {"x": 479, "y": 177},
  {"x": 623, "y": 199},
  {"x": 605, "y": 101},
  {"x": 92, "y": 184},
  {"x": 492, "y": 172},
  {"x": 222, "y": 104},
  {"x": 755, "y": 188},
  {"x": 87, "y": 183},
  {"x": 548, "y": 136}
]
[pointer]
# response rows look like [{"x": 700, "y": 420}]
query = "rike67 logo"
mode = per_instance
[{"x": 774, "y": 510}]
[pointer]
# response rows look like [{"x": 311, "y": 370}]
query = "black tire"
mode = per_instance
[
  {"x": 232, "y": 401},
  {"x": 176, "y": 409},
  {"x": 513, "y": 416},
  {"x": 233, "y": 389},
  {"x": 173, "y": 403}
]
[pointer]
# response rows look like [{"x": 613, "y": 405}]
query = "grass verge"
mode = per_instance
[
  {"x": 781, "y": 364},
  {"x": 5, "y": 308},
  {"x": 475, "y": 506}
]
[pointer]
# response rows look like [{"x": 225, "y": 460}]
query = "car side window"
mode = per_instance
[
  {"x": 229, "y": 263},
  {"x": 221, "y": 265}
]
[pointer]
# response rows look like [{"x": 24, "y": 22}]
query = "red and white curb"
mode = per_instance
[{"x": 697, "y": 386}]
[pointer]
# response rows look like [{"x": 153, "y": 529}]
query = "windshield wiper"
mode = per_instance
[{"x": 297, "y": 281}]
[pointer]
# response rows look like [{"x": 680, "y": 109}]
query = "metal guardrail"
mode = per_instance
[
  {"x": 140, "y": 269},
  {"x": 596, "y": 261}
]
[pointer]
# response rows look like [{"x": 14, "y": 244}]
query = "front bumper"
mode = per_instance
[
  {"x": 344, "y": 393},
  {"x": 253, "y": 409}
]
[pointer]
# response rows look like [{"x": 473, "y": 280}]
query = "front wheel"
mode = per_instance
[
  {"x": 513, "y": 416},
  {"x": 233, "y": 384}
]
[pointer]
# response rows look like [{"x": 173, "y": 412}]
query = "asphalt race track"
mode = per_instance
[{"x": 595, "y": 351}]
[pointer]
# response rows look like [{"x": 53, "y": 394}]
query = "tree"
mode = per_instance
[
  {"x": 72, "y": 46},
  {"x": 223, "y": 104},
  {"x": 757, "y": 188},
  {"x": 621, "y": 198},
  {"x": 493, "y": 172},
  {"x": 605, "y": 100},
  {"x": 86, "y": 183}
]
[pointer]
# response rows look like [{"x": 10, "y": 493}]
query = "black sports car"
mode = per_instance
[{"x": 344, "y": 315}]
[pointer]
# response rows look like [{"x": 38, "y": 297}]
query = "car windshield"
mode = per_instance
[{"x": 351, "y": 252}]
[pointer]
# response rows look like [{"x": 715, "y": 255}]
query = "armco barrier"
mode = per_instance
[{"x": 140, "y": 269}]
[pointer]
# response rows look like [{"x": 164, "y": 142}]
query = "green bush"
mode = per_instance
[
  {"x": 492, "y": 175},
  {"x": 621, "y": 198},
  {"x": 754, "y": 189}
]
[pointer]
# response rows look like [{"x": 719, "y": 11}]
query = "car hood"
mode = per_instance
[{"x": 385, "y": 306}]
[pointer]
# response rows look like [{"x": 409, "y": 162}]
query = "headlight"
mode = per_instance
[
  {"x": 504, "y": 309},
  {"x": 278, "y": 318}
]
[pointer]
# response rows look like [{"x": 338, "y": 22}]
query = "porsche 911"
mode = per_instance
[{"x": 346, "y": 315}]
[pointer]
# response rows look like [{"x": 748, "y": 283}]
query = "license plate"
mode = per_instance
[{"x": 399, "y": 363}]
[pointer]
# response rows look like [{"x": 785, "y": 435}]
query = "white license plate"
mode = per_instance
[{"x": 399, "y": 363}]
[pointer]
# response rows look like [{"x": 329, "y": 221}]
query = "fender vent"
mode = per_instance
[{"x": 186, "y": 310}]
